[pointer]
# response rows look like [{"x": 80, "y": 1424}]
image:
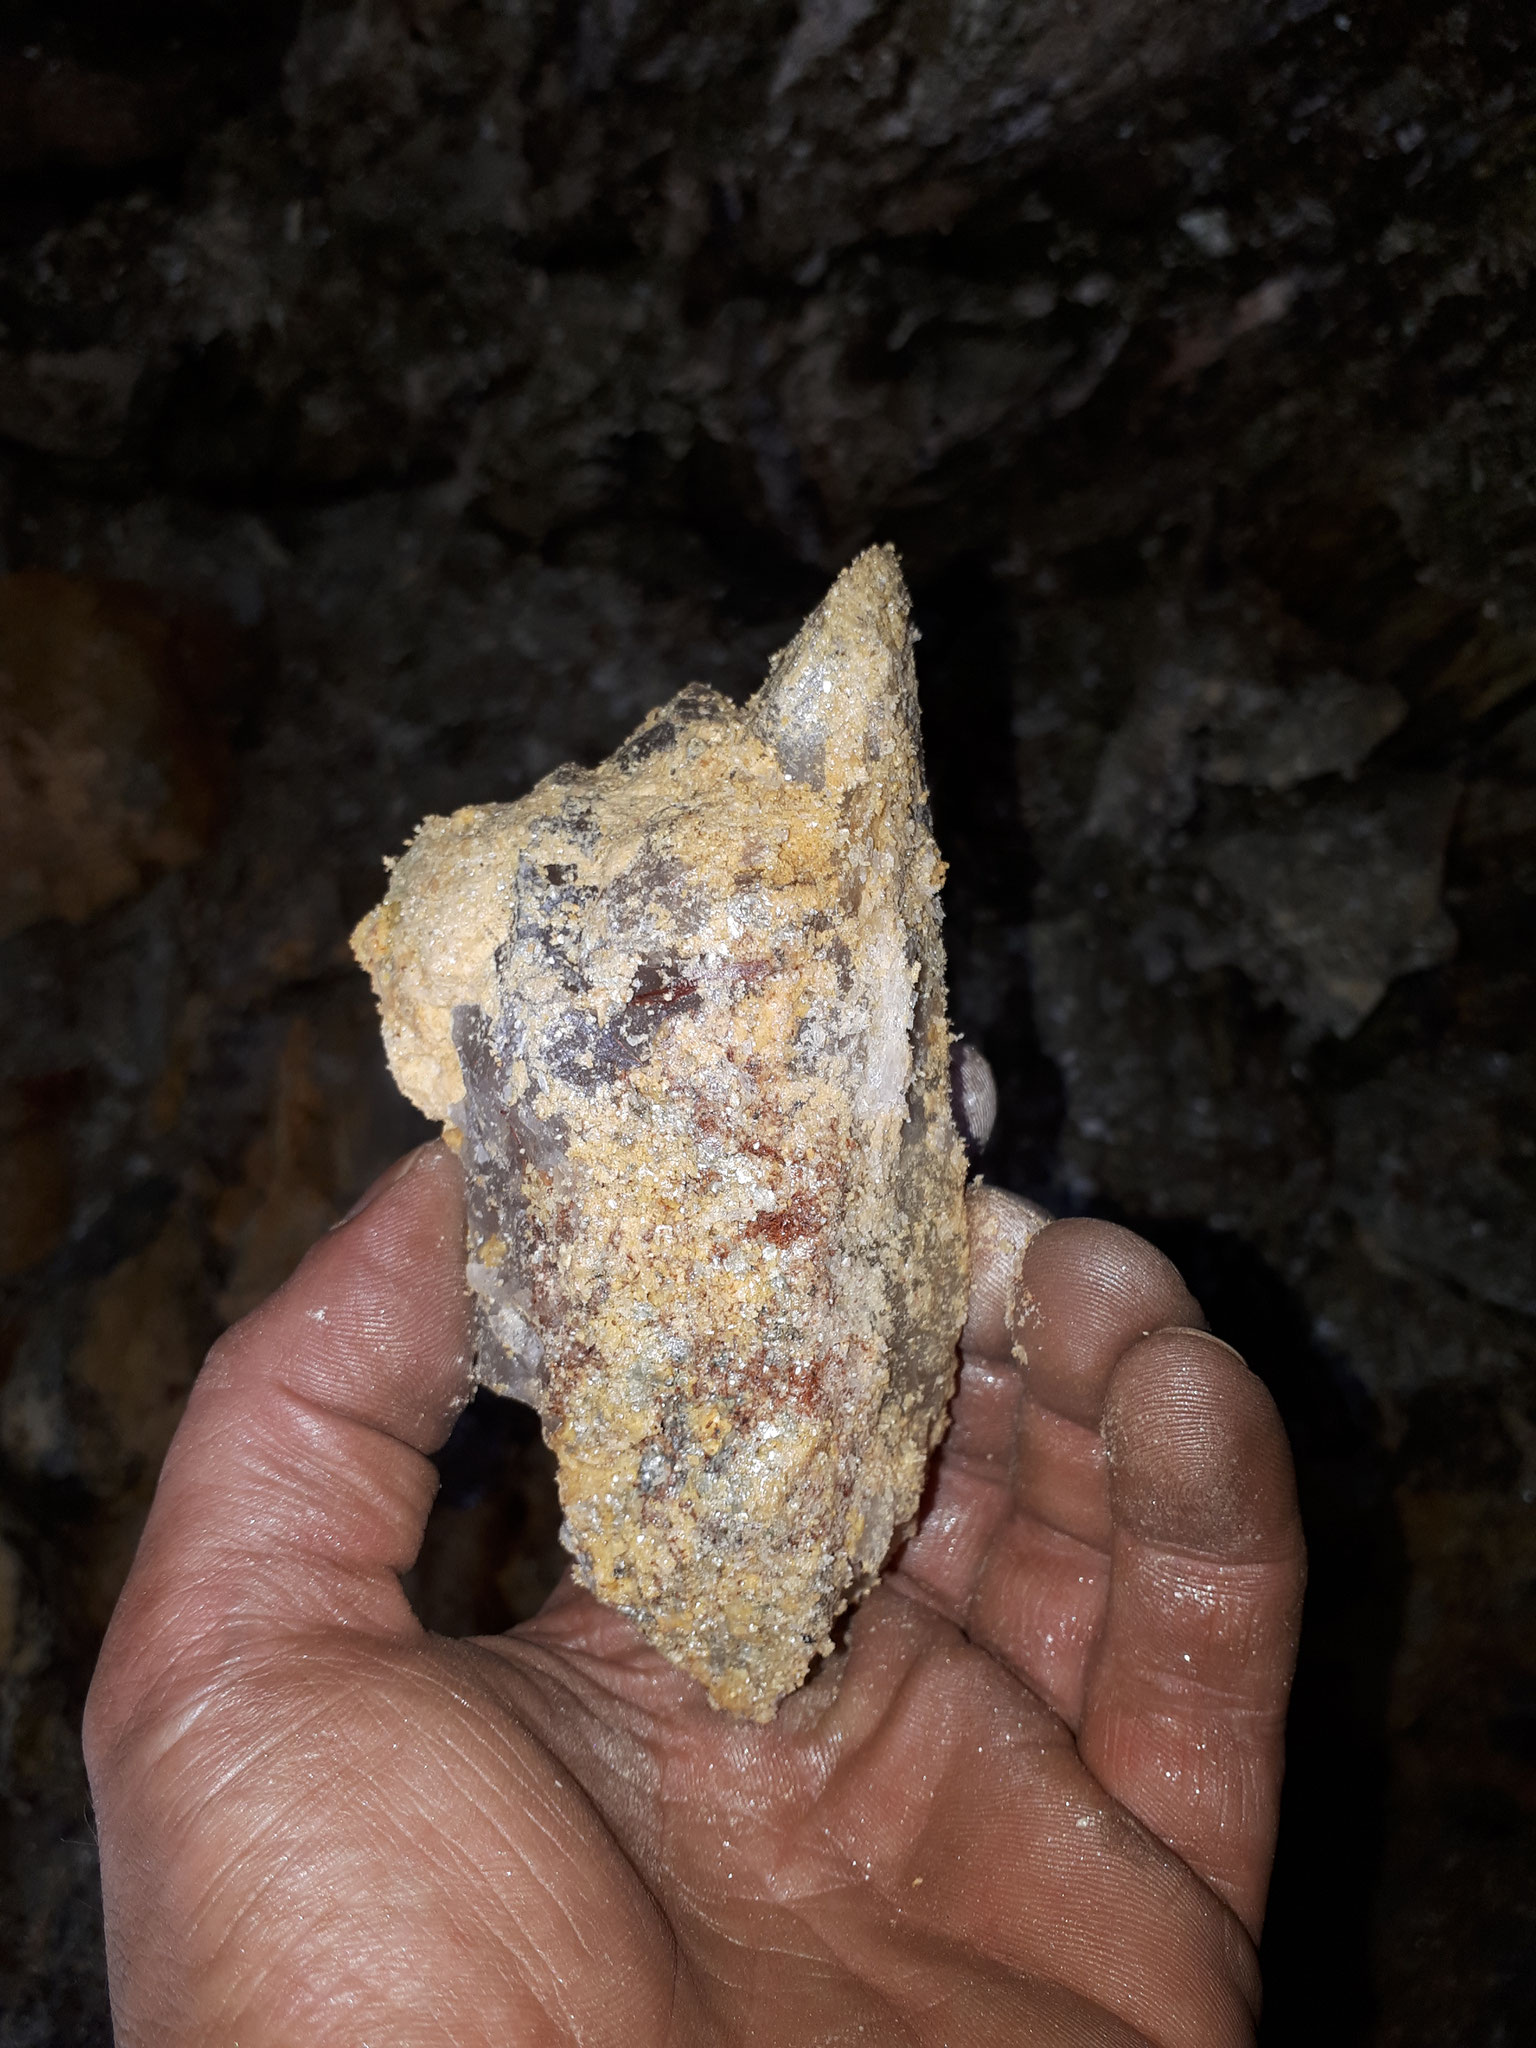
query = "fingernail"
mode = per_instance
[
  {"x": 972, "y": 1096},
  {"x": 1006, "y": 1219},
  {"x": 389, "y": 1178},
  {"x": 1189, "y": 1330}
]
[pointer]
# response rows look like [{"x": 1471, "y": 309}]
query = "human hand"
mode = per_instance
[{"x": 1033, "y": 1800}]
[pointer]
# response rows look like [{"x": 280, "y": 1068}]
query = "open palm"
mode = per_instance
[{"x": 1032, "y": 1800}]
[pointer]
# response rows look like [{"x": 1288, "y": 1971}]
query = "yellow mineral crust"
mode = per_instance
[{"x": 685, "y": 1014}]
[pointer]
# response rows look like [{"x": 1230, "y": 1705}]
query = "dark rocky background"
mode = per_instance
[{"x": 397, "y": 397}]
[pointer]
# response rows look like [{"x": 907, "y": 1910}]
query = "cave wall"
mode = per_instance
[{"x": 398, "y": 398}]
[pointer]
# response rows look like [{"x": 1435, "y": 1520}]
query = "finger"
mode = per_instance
[
  {"x": 1000, "y": 1228},
  {"x": 1082, "y": 1291},
  {"x": 298, "y": 1484},
  {"x": 972, "y": 1488},
  {"x": 973, "y": 1477},
  {"x": 1185, "y": 1711},
  {"x": 1016, "y": 1539}
]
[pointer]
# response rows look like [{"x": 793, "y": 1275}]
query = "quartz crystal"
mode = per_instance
[{"x": 683, "y": 1018}]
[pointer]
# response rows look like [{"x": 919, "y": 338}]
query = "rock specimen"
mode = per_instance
[{"x": 683, "y": 1015}]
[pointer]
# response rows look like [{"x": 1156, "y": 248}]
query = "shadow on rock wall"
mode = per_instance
[{"x": 397, "y": 399}]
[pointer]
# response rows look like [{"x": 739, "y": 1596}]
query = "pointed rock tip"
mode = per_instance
[{"x": 843, "y": 694}]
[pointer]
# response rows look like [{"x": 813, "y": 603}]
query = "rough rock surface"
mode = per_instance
[{"x": 685, "y": 1015}]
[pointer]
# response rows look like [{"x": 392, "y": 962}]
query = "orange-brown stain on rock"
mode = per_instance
[{"x": 113, "y": 766}]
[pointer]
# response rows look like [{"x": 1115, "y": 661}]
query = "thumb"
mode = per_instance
[{"x": 298, "y": 1485}]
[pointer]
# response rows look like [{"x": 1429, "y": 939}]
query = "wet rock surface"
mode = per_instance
[{"x": 418, "y": 392}]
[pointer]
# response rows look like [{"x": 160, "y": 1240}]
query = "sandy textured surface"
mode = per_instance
[{"x": 685, "y": 1015}]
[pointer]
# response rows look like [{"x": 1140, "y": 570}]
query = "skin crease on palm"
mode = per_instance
[{"x": 1031, "y": 1800}]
